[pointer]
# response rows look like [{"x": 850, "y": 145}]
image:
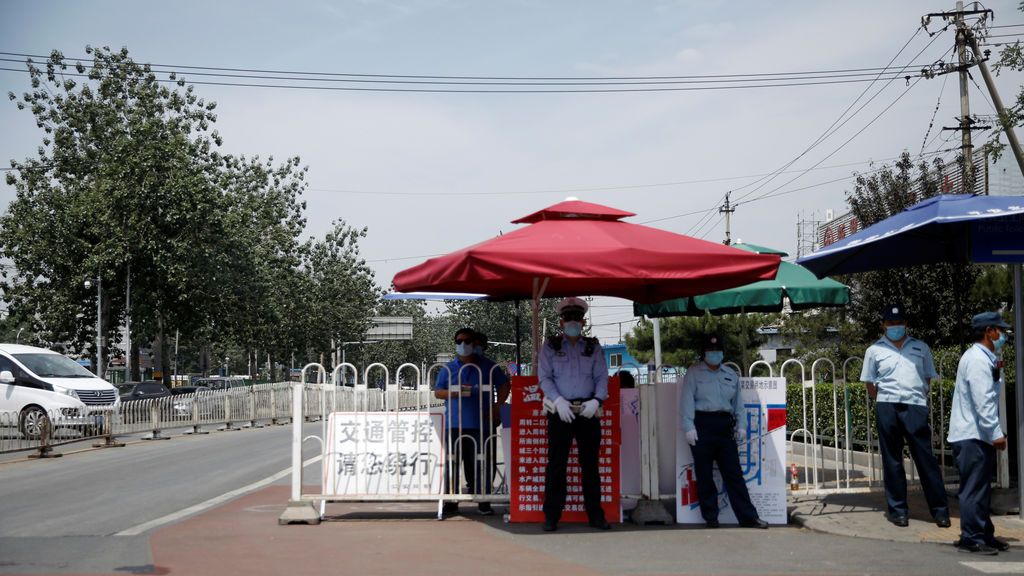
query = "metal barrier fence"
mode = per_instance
[
  {"x": 836, "y": 437},
  {"x": 397, "y": 450},
  {"x": 228, "y": 409}
]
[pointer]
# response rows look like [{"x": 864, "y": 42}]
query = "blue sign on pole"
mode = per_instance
[{"x": 998, "y": 240}]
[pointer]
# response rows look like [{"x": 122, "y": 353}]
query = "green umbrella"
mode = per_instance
[{"x": 804, "y": 289}]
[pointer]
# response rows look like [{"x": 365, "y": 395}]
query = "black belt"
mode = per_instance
[{"x": 718, "y": 413}]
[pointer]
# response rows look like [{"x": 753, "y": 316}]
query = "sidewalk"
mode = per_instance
[{"x": 862, "y": 515}]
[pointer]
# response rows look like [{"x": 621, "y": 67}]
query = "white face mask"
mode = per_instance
[
  {"x": 463, "y": 348},
  {"x": 573, "y": 329}
]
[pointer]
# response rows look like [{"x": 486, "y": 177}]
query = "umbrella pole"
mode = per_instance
[
  {"x": 538, "y": 293},
  {"x": 519, "y": 339},
  {"x": 1018, "y": 348}
]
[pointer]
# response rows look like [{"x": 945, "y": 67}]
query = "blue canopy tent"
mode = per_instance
[{"x": 949, "y": 228}]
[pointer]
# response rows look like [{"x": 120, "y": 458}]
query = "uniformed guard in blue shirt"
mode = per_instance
[
  {"x": 898, "y": 370},
  {"x": 975, "y": 434},
  {"x": 574, "y": 378},
  {"x": 470, "y": 413},
  {"x": 709, "y": 410}
]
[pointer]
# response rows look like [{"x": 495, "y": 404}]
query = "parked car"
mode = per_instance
[
  {"x": 144, "y": 390},
  {"x": 183, "y": 407},
  {"x": 38, "y": 384}
]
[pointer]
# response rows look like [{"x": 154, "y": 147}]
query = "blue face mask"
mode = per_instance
[
  {"x": 478, "y": 350},
  {"x": 714, "y": 357},
  {"x": 895, "y": 333},
  {"x": 573, "y": 329},
  {"x": 1000, "y": 342},
  {"x": 463, "y": 348}
]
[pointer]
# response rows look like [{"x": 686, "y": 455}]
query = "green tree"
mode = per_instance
[
  {"x": 937, "y": 297},
  {"x": 124, "y": 179},
  {"x": 681, "y": 338}
]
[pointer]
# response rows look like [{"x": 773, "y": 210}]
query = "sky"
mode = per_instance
[{"x": 429, "y": 173}]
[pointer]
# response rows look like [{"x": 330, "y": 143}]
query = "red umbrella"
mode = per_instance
[
  {"x": 584, "y": 248},
  {"x": 578, "y": 248}
]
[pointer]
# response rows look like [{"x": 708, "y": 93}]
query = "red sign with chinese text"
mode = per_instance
[{"x": 529, "y": 457}]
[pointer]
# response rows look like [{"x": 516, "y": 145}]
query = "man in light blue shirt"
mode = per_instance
[
  {"x": 709, "y": 410},
  {"x": 574, "y": 378},
  {"x": 975, "y": 433},
  {"x": 898, "y": 370}
]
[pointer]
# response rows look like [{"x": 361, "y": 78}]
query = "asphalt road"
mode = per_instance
[
  {"x": 94, "y": 512},
  {"x": 63, "y": 513}
]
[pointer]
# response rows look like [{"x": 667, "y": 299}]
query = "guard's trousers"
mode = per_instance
[
  {"x": 976, "y": 461},
  {"x": 897, "y": 423},
  {"x": 587, "y": 433},
  {"x": 715, "y": 444},
  {"x": 476, "y": 452}
]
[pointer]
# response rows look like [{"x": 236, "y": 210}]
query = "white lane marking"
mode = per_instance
[
  {"x": 996, "y": 567},
  {"x": 215, "y": 501}
]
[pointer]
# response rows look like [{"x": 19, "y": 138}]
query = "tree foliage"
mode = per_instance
[
  {"x": 938, "y": 298},
  {"x": 681, "y": 338},
  {"x": 129, "y": 181}
]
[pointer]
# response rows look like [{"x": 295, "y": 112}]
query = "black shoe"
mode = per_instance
[
  {"x": 711, "y": 523},
  {"x": 550, "y": 525},
  {"x": 972, "y": 548},
  {"x": 943, "y": 522},
  {"x": 485, "y": 509},
  {"x": 449, "y": 510},
  {"x": 755, "y": 523},
  {"x": 601, "y": 524},
  {"x": 1001, "y": 545},
  {"x": 900, "y": 521}
]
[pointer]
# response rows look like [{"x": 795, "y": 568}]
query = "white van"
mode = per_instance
[{"x": 36, "y": 383}]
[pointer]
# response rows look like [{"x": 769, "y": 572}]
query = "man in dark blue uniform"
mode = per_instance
[
  {"x": 574, "y": 378},
  {"x": 709, "y": 409}
]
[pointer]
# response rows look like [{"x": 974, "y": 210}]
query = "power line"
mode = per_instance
[
  {"x": 591, "y": 189},
  {"x": 504, "y": 78},
  {"x": 492, "y": 91},
  {"x": 460, "y": 82},
  {"x": 841, "y": 146},
  {"x": 931, "y": 123},
  {"x": 836, "y": 125}
]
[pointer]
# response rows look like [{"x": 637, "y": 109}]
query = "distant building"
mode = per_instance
[
  {"x": 617, "y": 357},
  {"x": 1000, "y": 177}
]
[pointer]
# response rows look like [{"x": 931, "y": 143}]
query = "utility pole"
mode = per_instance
[
  {"x": 727, "y": 209},
  {"x": 965, "y": 61},
  {"x": 966, "y": 148}
]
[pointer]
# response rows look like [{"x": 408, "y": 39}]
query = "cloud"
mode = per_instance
[{"x": 709, "y": 30}]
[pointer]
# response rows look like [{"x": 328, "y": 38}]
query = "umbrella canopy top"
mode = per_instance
[
  {"x": 592, "y": 253},
  {"x": 938, "y": 229},
  {"x": 793, "y": 281},
  {"x": 575, "y": 210}
]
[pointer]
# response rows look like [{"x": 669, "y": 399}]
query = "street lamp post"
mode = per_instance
[
  {"x": 99, "y": 323},
  {"x": 17, "y": 339}
]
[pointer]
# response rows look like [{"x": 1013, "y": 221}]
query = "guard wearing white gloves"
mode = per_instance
[
  {"x": 709, "y": 409},
  {"x": 574, "y": 378}
]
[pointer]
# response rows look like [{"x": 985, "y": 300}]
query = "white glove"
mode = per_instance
[
  {"x": 564, "y": 410},
  {"x": 691, "y": 437},
  {"x": 549, "y": 406},
  {"x": 590, "y": 408},
  {"x": 740, "y": 436}
]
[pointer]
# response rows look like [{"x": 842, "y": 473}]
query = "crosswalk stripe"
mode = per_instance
[{"x": 996, "y": 567}]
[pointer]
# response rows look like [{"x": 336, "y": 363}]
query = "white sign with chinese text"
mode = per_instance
[
  {"x": 762, "y": 457},
  {"x": 384, "y": 453}
]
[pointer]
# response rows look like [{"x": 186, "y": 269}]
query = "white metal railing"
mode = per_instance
[
  {"x": 227, "y": 409},
  {"x": 848, "y": 450},
  {"x": 397, "y": 468}
]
